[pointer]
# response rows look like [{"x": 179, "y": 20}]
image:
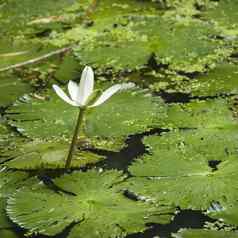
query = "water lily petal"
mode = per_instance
[
  {"x": 73, "y": 90},
  {"x": 86, "y": 85},
  {"x": 63, "y": 95},
  {"x": 111, "y": 91}
]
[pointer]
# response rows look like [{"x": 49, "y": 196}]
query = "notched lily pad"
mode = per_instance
[
  {"x": 114, "y": 120},
  {"x": 96, "y": 205},
  {"x": 9, "y": 182},
  {"x": 190, "y": 150},
  {"x": 170, "y": 174},
  {"x": 8, "y": 140},
  {"x": 48, "y": 155}
]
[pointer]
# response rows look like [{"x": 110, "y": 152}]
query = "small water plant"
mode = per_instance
[{"x": 84, "y": 97}]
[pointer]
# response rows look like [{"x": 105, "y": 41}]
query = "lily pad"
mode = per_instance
[
  {"x": 8, "y": 140},
  {"x": 185, "y": 47},
  {"x": 116, "y": 119},
  {"x": 11, "y": 89},
  {"x": 18, "y": 16},
  {"x": 125, "y": 34},
  {"x": 221, "y": 80},
  {"x": 9, "y": 182},
  {"x": 227, "y": 214},
  {"x": 218, "y": 81},
  {"x": 48, "y": 155},
  {"x": 170, "y": 174},
  {"x": 68, "y": 70},
  {"x": 201, "y": 114},
  {"x": 191, "y": 150},
  {"x": 199, "y": 233},
  {"x": 94, "y": 205},
  {"x": 224, "y": 14}
]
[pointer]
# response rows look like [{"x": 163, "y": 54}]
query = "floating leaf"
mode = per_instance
[
  {"x": 68, "y": 70},
  {"x": 221, "y": 80},
  {"x": 191, "y": 150},
  {"x": 8, "y": 140},
  {"x": 112, "y": 29},
  {"x": 178, "y": 173},
  {"x": 9, "y": 182},
  {"x": 47, "y": 154},
  {"x": 10, "y": 89},
  {"x": 201, "y": 114},
  {"x": 218, "y": 81},
  {"x": 185, "y": 47},
  {"x": 199, "y": 233},
  {"x": 16, "y": 23},
  {"x": 94, "y": 204},
  {"x": 117, "y": 118},
  {"x": 224, "y": 14}
]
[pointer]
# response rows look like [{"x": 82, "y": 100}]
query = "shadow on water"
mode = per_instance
[{"x": 134, "y": 148}]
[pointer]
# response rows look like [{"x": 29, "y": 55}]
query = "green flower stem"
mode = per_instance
[{"x": 75, "y": 137}]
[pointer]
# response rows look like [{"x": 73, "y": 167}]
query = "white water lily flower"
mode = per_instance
[{"x": 79, "y": 95}]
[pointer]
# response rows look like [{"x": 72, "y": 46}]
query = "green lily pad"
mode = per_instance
[
  {"x": 185, "y": 47},
  {"x": 116, "y": 119},
  {"x": 177, "y": 172},
  {"x": 224, "y": 14},
  {"x": 17, "y": 16},
  {"x": 96, "y": 207},
  {"x": 220, "y": 80},
  {"x": 48, "y": 155},
  {"x": 12, "y": 53},
  {"x": 191, "y": 150},
  {"x": 125, "y": 34},
  {"x": 69, "y": 69},
  {"x": 9, "y": 182},
  {"x": 11, "y": 88},
  {"x": 227, "y": 214},
  {"x": 20, "y": 38},
  {"x": 201, "y": 114},
  {"x": 8, "y": 140},
  {"x": 199, "y": 233}
]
